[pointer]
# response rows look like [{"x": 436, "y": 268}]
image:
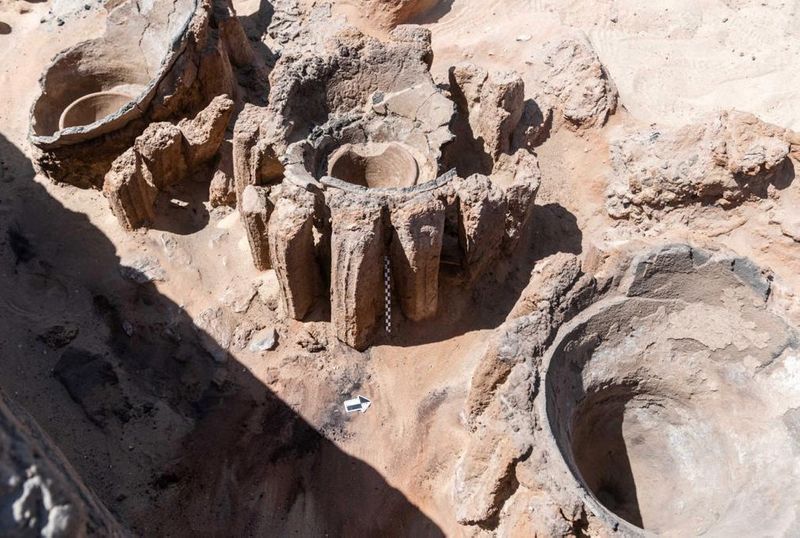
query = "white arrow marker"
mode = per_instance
[{"x": 357, "y": 404}]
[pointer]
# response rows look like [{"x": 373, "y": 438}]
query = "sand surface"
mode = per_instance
[{"x": 671, "y": 61}]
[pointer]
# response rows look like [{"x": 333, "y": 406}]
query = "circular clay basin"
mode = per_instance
[
  {"x": 100, "y": 85},
  {"x": 374, "y": 165},
  {"x": 676, "y": 408},
  {"x": 92, "y": 107}
]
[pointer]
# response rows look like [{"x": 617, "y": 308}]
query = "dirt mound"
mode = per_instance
[
  {"x": 725, "y": 160},
  {"x": 378, "y": 17}
]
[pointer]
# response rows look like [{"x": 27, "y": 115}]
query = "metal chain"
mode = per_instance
[{"x": 387, "y": 276}]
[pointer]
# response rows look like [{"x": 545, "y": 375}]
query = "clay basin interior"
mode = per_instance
[
  {"x": 374, "y": 165},
  {"x": 95, "y": 106},
  {"x": 678, "y": 411},
  {"x": 87, "y": 84},
  {"x": 97, "y": 78}
]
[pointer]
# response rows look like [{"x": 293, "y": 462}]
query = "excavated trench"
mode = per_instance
[{"x": 675, "y": 407}]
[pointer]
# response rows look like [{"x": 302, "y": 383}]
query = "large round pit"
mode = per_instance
[{"x": 677, "y": 408}]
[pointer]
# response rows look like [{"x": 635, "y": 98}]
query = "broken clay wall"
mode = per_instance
[{"x": 195, "y": 66}]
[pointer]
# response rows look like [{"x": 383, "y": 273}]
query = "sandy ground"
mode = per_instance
[
  {"x": 192, "y": 471},
  {"x": 672, "y": 61}
]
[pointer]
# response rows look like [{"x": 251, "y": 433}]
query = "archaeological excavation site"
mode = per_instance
[{"x": 399, "y": 268}]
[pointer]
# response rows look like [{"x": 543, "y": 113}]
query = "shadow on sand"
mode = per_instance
[
  {"x": 551, "y": 229},
  {"x": 173, "y": 443}
]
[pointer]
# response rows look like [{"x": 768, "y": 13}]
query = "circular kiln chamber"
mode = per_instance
[
  {"x": 366, "y": 200},
  {"x": 385, "y": 152},
  {"x": 100, "y": 84},
  {"x": 676, "y": 408},
  {"x": 372, "y": 187}
]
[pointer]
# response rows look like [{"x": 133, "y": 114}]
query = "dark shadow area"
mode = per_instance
[
  {"x": 433, "y": 15},
  {"x": 555, "y": 230},
  {"x": 551, "y": 229},
  {"x": 588, "y": 426},
  {"x": 5, "y": 28},
  {"x": 600, "y": 452},
  {"x": 465, "y": 152},
  {"x": 780, "y": 178},
  {"x": 785, "y": 174},
  {"x": 255, "y": 26},
  {"x": 174, "y": 442},
  {"x": 183, "y": 211},
  {"x": 534, "y": 127}
]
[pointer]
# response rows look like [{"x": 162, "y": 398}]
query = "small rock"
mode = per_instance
[
  {"x": 269, "y": 290},
  {"x": 58, "y": 336},
  {"x": 175, "y": 251},
  {"x": 789, "y": 223},
  {"x": 239, "y": 299},
  {"x": 221, "y": 190},
  {"x": 264, "y": 340},
  {"x": 242, "y": 334},
  {"x": 60, "y": 22},
  {"x": 143, "y": 270},
  {"x": 524, "y": 37},
  {"x": 215, "y": 330},
  {"x": 127, "y": 327},
  {"x": 178, "y": 203},
  {"x": 169, "y": 243},
  {"x": 312, "y": 342}
]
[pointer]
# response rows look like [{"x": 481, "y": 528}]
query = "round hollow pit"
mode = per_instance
[
  {"x": 88, "y": 85},
  {"x": 91, "y": 89},
  {"x": 374, "y": 165},
  {"x": 92, "y": 107},
  {"x": 678, "y": 410}
]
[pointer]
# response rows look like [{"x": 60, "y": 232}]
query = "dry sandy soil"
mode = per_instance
[{"x": 183, "y": 445}]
